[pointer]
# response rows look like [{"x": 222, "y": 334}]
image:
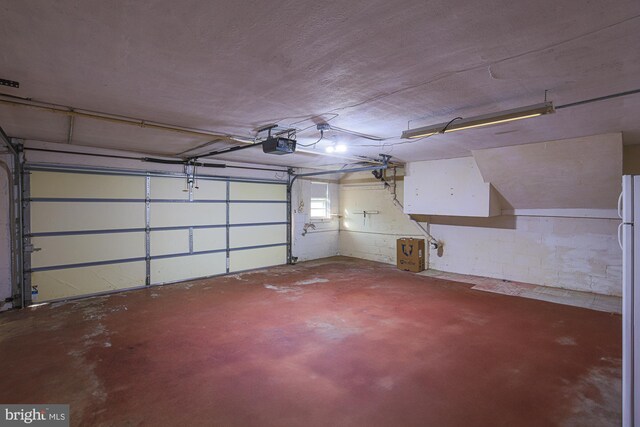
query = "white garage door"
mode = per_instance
[{"x": 94, "y": 232}]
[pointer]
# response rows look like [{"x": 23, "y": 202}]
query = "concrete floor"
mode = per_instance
[
  {"x": 599, "y": 302},
  {"x": 339, "y": 341}
]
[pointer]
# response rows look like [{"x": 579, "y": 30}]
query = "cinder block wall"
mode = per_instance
[
  {"x": 322, "y": 241},
  {"x": 372, "y": 237},
  {"x": 571, "y": 253}
]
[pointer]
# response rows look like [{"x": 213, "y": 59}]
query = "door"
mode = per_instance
[
  {"x": 629, "y": 328},
  {"x": 628, "y": 234},
  {"x": 93, "y": 232},
  {"x": 187, "y": 229},
  {"x": 632, "y": 234},
  {"x": 87, "y": 232},
  {"x": 258, "y": 225}
]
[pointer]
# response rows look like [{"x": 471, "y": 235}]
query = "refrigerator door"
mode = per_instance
[
  {"x": 636, "y": 300},
  {"x": 628, "y": 330},
  {"x": 626, "y": 208}
]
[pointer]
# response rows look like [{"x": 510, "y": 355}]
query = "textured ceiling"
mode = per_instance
[{"x": 370, "y": 66}]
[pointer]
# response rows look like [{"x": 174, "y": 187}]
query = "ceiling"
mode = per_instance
[{"x": 374, "y": 66}]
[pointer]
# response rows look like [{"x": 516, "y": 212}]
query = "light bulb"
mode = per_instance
[
  {"x": 330, "y": 149},
  {"x": 341, "y": 148}
]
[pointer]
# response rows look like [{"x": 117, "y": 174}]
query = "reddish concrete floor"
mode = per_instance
[{"x": 340, "y": 342}]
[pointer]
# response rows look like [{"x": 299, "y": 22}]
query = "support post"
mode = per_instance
[
  {"x": 289, "y": 217},
  {"x": 147, "y": 229},
  {"x": 228, "y": 226},
  {"x": 17, "y": 231},
  {"x": 25, "y": 230}
]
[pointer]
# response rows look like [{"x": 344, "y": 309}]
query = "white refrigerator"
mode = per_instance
[{"x": 629, "y": 239}]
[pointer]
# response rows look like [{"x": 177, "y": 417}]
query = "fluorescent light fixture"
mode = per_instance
[
  {"x": 341, "y": 148},
  {"x": 478, "y": 121},
  {"x": 330, "y": 149}
]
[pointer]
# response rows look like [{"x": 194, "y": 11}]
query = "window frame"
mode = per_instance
[{"x": 325, "y": 200}]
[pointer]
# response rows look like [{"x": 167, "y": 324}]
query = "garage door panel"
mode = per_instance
[
  {"x": 250, "y": 259},
  {"x": 77, "y": 185},
  {"x": 257, "y": 235},
  {"x": 247, "y": 213},
  {"x": 187, "y": 214},
  {"x": 65, "y": 250},
  {"x": 169, "y": 242},
  {"x": 254, "y": 191},
  {"x": 187, "y": 267},
  {"x": 208, "y": 239},
  {"x": 176, "y": 189},
  {"x": 102, "y": 232},
  {"x": 210, "y": 190},
  {"x": 66, "y": 283},
  {"x": 82, "y": 216},
  {"x": 168, "y": 188}
]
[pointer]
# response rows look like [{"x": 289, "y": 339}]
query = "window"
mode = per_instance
[{"x": 320, "y": 207}]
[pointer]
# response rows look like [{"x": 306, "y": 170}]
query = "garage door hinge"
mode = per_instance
[{"x": 29, "y": 248}]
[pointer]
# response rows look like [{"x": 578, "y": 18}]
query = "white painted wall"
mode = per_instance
[
  {"x": 374, "y": 237},
  {"x": 547, "y": 249},
  {"x": 558, "y": 225},
  {"x": 571, "y": 253},
  {"x": 323, "y": 241}
]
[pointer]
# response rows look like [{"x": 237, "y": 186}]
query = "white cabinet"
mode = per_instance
[{"x": 452, "y": 187}]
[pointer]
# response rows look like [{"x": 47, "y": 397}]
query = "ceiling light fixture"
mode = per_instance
[
  {"x": 478, "y": 121},
  {"x": 336, "y": 148}
]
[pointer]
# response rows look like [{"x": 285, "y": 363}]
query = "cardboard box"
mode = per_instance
[{"x": 411, "y": 255}]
